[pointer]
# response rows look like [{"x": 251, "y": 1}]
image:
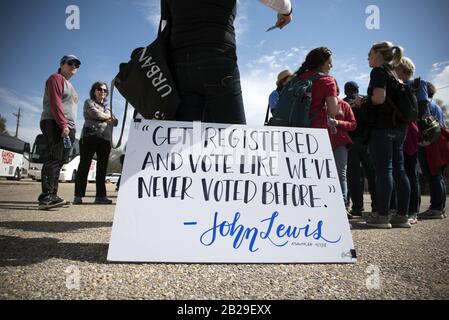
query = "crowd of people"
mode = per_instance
[
  {"x": 368, "y": 139},
  {"x": 370, "y": 142}
]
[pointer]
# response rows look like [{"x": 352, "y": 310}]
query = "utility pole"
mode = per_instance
[{"x": 17, "y": 115}]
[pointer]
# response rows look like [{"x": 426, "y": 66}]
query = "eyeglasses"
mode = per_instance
[
  {"x": 73, "y": 63},
  {"x": 102, "y": 90}
]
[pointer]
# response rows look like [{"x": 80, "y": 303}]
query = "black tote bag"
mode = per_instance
[{"x": 146, "y": 82}]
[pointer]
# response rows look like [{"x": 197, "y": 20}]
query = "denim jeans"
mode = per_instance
[
  {"x": 358, "y": 158},
  {"x": 411, "y": 167},
  {"x": 341, "y": 161},
  {"x": 209, "y": 86},
  {"x": 436, "y": 183},
  {"x": 386, "y": 146}
]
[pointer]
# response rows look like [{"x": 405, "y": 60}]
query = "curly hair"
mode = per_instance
[{"x": 315, "y": 59}]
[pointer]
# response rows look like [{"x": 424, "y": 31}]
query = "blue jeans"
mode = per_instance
[
  {"x": 411, "y": 167},
  {"x": 209, "y": 86},
  {"x": 436, "y": 183},
  {"x": 358, "y": 157},
  {"x": 386, "y": 146},
  {"x": 341, "y": 161}
]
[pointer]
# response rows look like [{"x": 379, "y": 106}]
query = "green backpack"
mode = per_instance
[{"x": 293, "y": 107}]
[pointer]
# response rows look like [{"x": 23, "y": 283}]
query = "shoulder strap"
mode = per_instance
[
  {"x": 267, "y": 117},
  {"x": 417, "y": 84},
  {"x": 316, "y": 76},
  {"x": 119, "y": 143},
  {"x": 165, "y": 22},
  {"x": 390, "y": 73}
]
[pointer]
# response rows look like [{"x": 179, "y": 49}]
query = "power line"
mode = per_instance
[{"x": 445, "y": 87}]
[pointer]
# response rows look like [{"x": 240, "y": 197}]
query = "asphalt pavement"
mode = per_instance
[{"x": 61, "y": 254}]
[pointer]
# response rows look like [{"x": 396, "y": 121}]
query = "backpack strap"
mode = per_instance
[
  {"x": 267, "y": 117},
  {"x": 391, "y": 74},
  {"x": 417, "y": 84},
  {"x": 312, "y": 78},
  {"x": 316, "y": 76},
  {"x": 119, "y": 143}
]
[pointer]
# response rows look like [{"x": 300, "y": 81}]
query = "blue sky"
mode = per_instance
[{"x": 34, "y": 37}]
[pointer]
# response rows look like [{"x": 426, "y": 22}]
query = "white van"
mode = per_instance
[
  {"x": 68, "y": 171},
  {"x": 14, "y": 155}
]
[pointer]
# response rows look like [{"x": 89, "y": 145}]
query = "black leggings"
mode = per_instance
[
  {"x": 209, "y": 87},
  {"x": 56, "y": 156},
  {"x": 88, "y": 147}
]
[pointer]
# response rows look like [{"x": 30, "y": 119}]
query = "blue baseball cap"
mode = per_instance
[
  {"x": 351, "y": 86},
  {"x": 69, "y": 58}
]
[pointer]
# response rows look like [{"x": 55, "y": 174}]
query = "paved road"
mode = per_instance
[{"x": 41, "y": 253}]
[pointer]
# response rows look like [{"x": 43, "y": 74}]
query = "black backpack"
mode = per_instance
[
  {"x": 293, "y": 107},
  {"x": 408, "y": 109},
  {"x": 403, "y": 99}
]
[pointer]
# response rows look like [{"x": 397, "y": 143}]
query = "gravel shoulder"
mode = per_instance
[{"x": 41, "y": 252}]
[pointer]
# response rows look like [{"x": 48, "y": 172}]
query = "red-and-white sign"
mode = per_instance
[{"x": 7, "y": 157}]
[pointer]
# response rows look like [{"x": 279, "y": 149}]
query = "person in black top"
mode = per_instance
[
  {"x": 386, "y": 140},
  {"x": 203, "y": 57},
  {"x": 358, "y": 156}
]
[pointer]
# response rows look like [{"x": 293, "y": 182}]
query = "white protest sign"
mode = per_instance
[{"x": 210, "y": 193}]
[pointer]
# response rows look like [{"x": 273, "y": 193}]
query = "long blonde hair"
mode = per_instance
[{"x": 392, "y": 54}]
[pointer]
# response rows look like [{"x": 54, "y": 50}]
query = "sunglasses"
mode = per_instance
[
  {"x": 102, "y": 90},
  {"x": 73, "y": 63}
]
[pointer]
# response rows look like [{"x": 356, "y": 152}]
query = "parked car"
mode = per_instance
[{"x": 113, "y": 177}]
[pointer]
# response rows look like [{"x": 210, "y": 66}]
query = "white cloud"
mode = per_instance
[
  {"x": 260, "y": 44},
  {"x": 241, "y": 23},
  {"x": 11, "y": 100},
  {"x": 279, "y": 60},
  {"x": 28, "y": 134},
  {"x": 438, "y": 65},
  {"x": 441, "y": 80},
  {"x": 257, "y": 87},
  {"x": 259, "y": 80},
  {"x": 151, "y": 10},
  {"x": 31, "y": 108}
]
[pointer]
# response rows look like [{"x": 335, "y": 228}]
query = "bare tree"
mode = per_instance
[{"x": 3, "y": 125}]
